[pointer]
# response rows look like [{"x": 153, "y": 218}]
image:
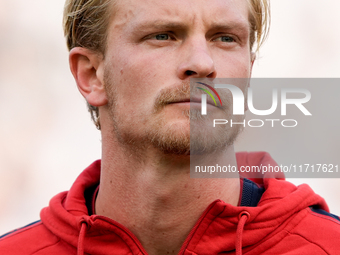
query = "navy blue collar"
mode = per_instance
[{"x": 251, "y": 193}]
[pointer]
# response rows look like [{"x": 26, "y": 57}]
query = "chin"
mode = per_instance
[
  {"x": 191, "y": 135},
  {"x": 173, "y": 138}
]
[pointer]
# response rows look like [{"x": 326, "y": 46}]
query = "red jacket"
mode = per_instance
[{"x": 273, "y": 217}]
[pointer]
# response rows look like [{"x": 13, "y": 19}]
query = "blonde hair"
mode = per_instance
[
  {"x": 86, "y": 22},
  {"x": 259, "y": 22}
]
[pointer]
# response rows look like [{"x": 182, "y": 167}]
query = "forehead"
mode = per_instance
[{"x": 190, "y": 12}]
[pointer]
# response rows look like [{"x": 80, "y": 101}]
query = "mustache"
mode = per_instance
[
  {"x": 173, "y": 94},
  {"x": 182, "y": 92}
]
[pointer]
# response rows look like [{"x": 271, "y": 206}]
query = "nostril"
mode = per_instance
[
  {"x": 211, "y": 75},
  {"x": 189, "y": 72}
]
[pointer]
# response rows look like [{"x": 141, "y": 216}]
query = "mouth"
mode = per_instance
[{"x": 193, "y": 100}]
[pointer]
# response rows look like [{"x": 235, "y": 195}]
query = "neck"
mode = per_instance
[{"x": 155, "y": 198}]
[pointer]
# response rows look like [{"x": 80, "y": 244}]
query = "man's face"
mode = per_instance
[{"x": 154, "y": 47}]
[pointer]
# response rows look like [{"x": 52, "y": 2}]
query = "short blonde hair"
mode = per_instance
[
  {"x": 259, "y": 22},
  {"x": 86, "y": 23}
]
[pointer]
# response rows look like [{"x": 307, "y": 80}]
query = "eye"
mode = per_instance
[
  {"x": 225, "y": 38},
  {"x": 162, "y": 37}
]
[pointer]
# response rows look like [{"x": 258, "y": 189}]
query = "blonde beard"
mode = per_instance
[
  {"x": 196, "y": 140},
  {"x": 196, "y": 137}
]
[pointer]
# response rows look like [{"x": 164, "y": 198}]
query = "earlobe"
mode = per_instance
[{"x": 87, "y": 69}]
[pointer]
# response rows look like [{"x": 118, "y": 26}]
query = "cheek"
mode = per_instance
[
  {"x": 137, "y": 84},
  {"x": 143, "y": 74},
  {"x": 233, "y": 65},
  {"x": 136, "y": 80}
]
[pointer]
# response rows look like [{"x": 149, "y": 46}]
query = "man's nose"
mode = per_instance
[{"x": 196, "y": 60}]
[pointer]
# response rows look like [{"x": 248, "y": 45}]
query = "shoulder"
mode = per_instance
[
  {"x": 324, "y": 215},
  {"x": 319, "y": 228},
  {"x": 308, "y": 232},
  {"x": 319, "y": 220},
  {"x": 33, "y": 239}
]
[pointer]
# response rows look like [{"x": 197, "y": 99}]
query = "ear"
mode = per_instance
[{"x": 87, "y": 69}]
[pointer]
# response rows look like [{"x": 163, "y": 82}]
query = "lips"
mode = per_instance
[{"x": 194, "y": 99}]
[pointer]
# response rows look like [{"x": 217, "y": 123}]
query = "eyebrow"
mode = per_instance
[
  {"x": 230, "y": 25},
  {"x": 160, "y": 25},
  {"x": 173, "y": 25}
]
